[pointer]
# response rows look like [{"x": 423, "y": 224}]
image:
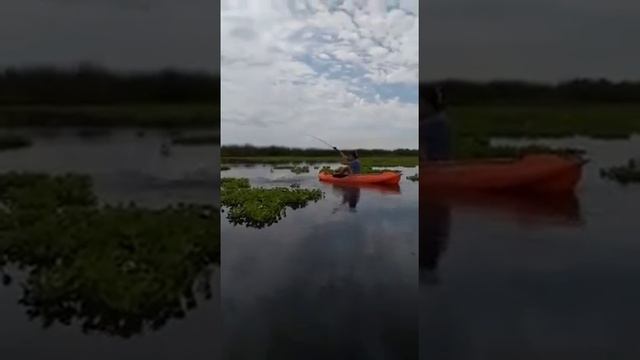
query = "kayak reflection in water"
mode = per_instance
[
  {"x": 435, "y": 223},
  {"x": 532, "y": 211},
  {"x": 352, "y": 163},
  {"x": 434, "y": 128},
  {"x": 350, "y": 197},
  {"x": 435, "y": 145}
]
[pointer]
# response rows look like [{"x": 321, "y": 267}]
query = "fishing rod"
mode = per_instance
[{"x": 326, "y": 143}]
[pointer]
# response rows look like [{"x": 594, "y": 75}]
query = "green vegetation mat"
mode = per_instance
[
  {"x": 625, "y": 174},
  {"x": 375, "y": 170},
  {"x": 300, "y": 170},
  {"x": 293, "y": 168},
  {"x": 8, "y": 142},
  {"x": 389, "y": 161},
  {"x": 474, "y": 148},
  {"x": 195, "y": 140},
  {"x": 127, "y": 115},
  {"x": 119, "y": 270},
  {"x": 260, "y": 207},
  {"x": 607, "y": 121}
]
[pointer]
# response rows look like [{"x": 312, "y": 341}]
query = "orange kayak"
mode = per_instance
[
  {"x": 537, "y": 173},
  {"x": 385, "y": 178}
]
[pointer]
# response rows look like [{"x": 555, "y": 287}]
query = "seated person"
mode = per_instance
[
  {"x": 353, "y": 165},
  {"x": 434, "y": 128}
]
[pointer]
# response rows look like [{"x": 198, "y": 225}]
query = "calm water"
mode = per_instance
[
  {"x": 125, "y": 166},
  {"x": 534, "y": 278},
  {"x": 337, "y": 279},
  {"x": 500, "y": 277}
]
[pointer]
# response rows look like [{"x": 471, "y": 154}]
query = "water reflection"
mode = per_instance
[
  {"x": 435, "y": 222},
  {"x": 528, "y": 277},
  {"x": 351, "y": 193},
  {"x": 532, "y": 210},
  {"x": 467, "y": 281},
  {"x": 321, "y": 284},
  {"x": 350, "y": 196}
]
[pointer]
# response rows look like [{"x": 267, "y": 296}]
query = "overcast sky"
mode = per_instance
[
  {"x": 122, "y": 34},
  {"x": 545, "y": 40},
  {"x": 344, "y": 71}
]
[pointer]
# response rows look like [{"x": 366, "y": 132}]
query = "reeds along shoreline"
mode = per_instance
[{"x": 90, "y": 84}]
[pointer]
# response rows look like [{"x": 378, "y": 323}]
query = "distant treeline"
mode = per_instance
[
  {"x": 90, "y": 84},
  {"x": 461, "y": 92},
  {"x": 253, "y": 151}
]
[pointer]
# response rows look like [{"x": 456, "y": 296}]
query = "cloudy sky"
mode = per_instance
[
  {"x": 544, "y": 40},
  {"x": 345, "y": 71},
  {"x": 122, "y": 34}
]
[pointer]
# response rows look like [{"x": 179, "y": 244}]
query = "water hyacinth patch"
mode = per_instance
[
  {"x": 300, "y": 170},
  {"x": 294, "y": 168},
  {"x": 119, "y": 270},
  {"x": 8, "y": 142},
  {"x": 195, "y": 140},
  {"x": 259, "y": 207},
  {"x": 625, "y": 174},
  {"x": 234, "y": 183}
]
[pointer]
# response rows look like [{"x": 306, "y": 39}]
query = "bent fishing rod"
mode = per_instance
[{"x": 326, "y": 143}]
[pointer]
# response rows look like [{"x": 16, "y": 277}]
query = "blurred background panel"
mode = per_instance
[
  {"x": 527, "y": 228},
  {"x": 109, "y": 150}
]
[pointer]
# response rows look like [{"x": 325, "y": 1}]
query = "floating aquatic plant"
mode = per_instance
[
  {"x": 294, "y": 168},
  {"x": 119, "y": 270},
  {"x": 234, "y": 183},
  {"x": 259, "y": 207},
  {"x": 8, "y": 142},
  {"x": 300, "y": 169},
  {"x": 625, "y": 174},
  {"x": 196, "y": 140}
]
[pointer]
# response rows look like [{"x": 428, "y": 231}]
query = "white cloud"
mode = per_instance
[{"x": 315, "y": 70}]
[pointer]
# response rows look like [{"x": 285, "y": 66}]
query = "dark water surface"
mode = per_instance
[
  {"x": 125, "y": 166},
  {"x": 534, "y": 277},
  {"x": 500, "y": 277},
  {"x": 337, "y": 279}
]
